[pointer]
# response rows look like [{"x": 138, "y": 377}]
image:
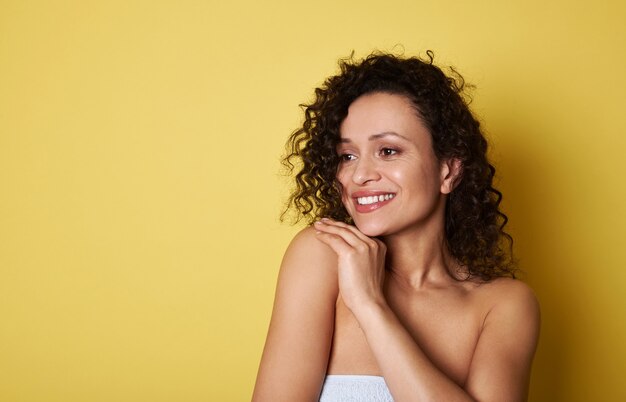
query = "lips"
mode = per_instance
[{"x": 368, "y": 201}]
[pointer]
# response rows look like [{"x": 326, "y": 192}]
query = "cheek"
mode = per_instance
[
  {"x": 417, "y": 180},
  {"x": 407, "y": 178},
  {"x": 341, "y": 177}
]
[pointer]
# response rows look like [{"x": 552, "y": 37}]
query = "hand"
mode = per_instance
[{"x": 361, "y": 263}]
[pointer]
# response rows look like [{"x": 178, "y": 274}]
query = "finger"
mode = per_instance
[
  {"x": 351, "y": 228},
  {"x": 346, "y": 234},
  {"x": 336, "y": 243}
]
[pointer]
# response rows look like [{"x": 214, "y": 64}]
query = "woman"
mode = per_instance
[{"x": 403, "y": 286}]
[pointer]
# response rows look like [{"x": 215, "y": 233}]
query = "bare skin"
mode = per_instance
[{"x": 384, "y": 297}]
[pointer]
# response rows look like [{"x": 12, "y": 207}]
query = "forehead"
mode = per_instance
[{"x": 377, "y": 113}]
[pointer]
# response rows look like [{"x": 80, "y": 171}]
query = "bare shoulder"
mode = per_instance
[
  {"x": 511, "y": 318},
  {"x": 308, "y": 272},
  {"x": 507, "y": 295},
  {"x": 500, "y": 368},
  {"x": 308, "y": 256},
  {"x": 306, "y": 242},
  {"x": 299, "y": 338}
]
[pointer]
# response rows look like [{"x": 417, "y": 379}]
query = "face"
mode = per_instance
[{"x": 390, "y": 177}]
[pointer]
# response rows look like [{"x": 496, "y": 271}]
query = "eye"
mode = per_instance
[
  {"x": 346, "y": 157},
  {"x": 388, "y": 151}
]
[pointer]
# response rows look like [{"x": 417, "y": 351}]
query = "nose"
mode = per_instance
[{"x": 365, "y": 171}]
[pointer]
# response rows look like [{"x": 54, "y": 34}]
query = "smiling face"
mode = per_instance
[{"x": 390, "y": 177}]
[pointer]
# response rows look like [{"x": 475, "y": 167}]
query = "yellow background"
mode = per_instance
[{"x": 140, "y": 186}]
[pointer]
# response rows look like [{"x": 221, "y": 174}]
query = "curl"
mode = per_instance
[{"x": 474, "y": 223}]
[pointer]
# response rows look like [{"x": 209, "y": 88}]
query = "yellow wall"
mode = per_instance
[{"x": 139, "y": 186}]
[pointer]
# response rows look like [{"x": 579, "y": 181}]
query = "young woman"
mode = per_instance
[{"x": 402, "y": 288}]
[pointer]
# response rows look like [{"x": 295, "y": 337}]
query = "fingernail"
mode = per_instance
[{"x": 325, "y": 219}]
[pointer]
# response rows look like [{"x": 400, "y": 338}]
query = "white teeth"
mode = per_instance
[{"x": 373, "y": 199}]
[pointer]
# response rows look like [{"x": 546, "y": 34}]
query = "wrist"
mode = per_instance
[{"x": 367, "y": 310}]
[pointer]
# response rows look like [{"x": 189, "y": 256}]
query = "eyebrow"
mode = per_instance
[{"x": 377, "y": 136}]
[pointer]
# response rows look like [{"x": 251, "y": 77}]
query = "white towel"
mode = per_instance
[{"x": 355, "y": 388}]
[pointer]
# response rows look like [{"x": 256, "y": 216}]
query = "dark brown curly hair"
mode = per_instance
[{"x": 474, "y": 224}]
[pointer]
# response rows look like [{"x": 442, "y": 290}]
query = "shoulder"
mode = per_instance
[
  {"x": 511, "y": 305},
  {"x": 305, "y": 251},
  {"x": 309, "y": 261},
  {"x": 510, "y": 294},
  {"x": 305, "y": 243},
  {"x": 299, "y": 339},
  {"x": 507, "y": 341}
]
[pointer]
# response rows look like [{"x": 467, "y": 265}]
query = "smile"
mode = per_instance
[
  {"x": 372, "y": 199},
  {"x": 369, "y": 201}
]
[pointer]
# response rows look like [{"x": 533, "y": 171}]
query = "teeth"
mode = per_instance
[{"x": 372, "y": 199}]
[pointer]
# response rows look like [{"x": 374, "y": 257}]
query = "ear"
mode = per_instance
[{"x": 451, "y": 172}]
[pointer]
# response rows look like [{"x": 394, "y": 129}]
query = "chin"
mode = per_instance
[{"x": 371, "y": 229}]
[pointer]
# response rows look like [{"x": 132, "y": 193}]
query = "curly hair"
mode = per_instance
[{"x": 474, "y": 224}]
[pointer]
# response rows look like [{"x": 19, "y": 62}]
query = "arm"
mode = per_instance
[
  {"x": 298, "y": 343},
  {"x": 500, "y": 367}
]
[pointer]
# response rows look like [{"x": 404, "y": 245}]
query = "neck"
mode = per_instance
[{"x": 420, "y": 257}]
